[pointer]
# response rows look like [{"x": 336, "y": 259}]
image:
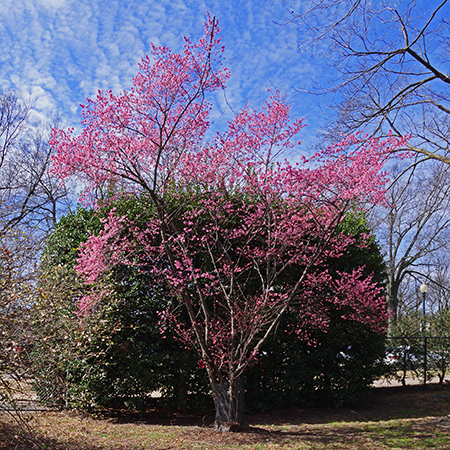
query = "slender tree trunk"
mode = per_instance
[
  {"x": 392, "y": 303},
  {"x": 229, "y": 403}
]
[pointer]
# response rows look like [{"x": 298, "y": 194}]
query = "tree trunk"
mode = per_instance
[
  {"x": 229, "y": 403},
  {"x": 392, "y": 303}
]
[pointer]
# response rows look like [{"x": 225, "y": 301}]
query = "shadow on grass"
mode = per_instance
[
  {"x": 378, "y": 423},
  {"x": 13, "y": 437},
  {"x": 160, "y": 417},
  {"x": 406, "y": 435},
  {"x": 386, "y": 403}
]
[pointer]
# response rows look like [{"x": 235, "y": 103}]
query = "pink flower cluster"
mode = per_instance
[{"x": 250, "y": 234}]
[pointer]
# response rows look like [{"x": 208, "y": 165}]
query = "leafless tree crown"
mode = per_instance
[{"x": 391, "y": 64}]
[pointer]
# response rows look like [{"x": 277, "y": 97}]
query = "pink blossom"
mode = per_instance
[{"x": 243, "y": 220}]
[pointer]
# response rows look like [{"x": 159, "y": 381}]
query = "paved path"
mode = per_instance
[{"x": 24, "y": 406}]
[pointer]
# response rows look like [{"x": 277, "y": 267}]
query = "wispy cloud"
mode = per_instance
[{"x": 62, "y": 51}]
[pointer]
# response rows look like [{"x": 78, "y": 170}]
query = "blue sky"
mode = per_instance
[{"x": 62, "y": 51}]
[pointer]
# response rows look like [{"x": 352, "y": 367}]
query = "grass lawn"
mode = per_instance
[{"x": 392, "y": 418}]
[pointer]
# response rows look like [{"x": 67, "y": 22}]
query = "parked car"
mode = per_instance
[{"x": 402, "y": 354}]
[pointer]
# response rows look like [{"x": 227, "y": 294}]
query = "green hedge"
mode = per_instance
[{"x": 118, "y": 356}]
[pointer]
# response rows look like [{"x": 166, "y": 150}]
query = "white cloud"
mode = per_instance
[
  {"x": 65, "y": 50},
  {"x": 51, "y": 4}
]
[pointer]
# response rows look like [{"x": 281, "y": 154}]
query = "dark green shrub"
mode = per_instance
[
  {"x": 340, "y": 365},
  {"x": 117, "y": 356}
]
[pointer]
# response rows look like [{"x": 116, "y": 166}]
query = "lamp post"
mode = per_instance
[{"x": 424, "y": 289}]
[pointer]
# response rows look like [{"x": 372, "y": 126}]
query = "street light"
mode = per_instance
[{"x": 424, "y": 289}]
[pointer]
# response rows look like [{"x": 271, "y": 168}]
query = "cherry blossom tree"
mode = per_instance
[{"x": 238, "y": 235}]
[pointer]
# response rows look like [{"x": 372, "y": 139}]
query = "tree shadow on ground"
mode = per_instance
[
  {"x": 400, "y": 435},
  {"x": 427, "y": 413},
  {"x": 386, "y": 403},
  {"x": 15, "y": 437}
]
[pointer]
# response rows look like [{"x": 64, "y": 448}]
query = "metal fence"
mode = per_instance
[
  {"x": 51, "y": 392},
  {"x": 421, "y": 356}
]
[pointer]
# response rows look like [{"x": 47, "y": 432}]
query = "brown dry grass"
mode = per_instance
[{"x": 393, "y": 418}]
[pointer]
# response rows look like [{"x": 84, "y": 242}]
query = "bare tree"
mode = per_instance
[
  {"x": 414, "y": 229},
  {"x": 438, "y": 296},
  {"x": 29, "y": 195},
  {"x": 391, "y": 63},
  {"x": 31, "y": 200}
]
